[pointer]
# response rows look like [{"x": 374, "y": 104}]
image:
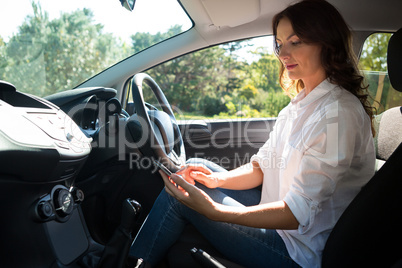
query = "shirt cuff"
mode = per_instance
[
  {"x": 303, "y": 208},
  {"x": 256, "y": 158}
]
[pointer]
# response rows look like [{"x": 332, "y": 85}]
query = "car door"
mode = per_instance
[{"x": 229, "y": 143}]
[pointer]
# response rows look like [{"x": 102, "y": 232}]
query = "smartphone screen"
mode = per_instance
[{"x": 162, "y": 167}]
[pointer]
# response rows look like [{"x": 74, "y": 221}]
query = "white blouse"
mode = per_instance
[{"x": 318, "y": 156}]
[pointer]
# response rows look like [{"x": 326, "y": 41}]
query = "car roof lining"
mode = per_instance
[{"x": 231, "y": 12}]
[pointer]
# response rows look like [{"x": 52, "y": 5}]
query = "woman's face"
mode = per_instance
[{"x": 301, "y": 60}]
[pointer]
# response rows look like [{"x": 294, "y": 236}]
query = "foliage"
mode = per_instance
[
  {"x": 217, "y": 82},
  {"x": 264, "y": 73},
  {"x": 374, "y": 55},
  {"x": 248, "y": 92},
  {"x": 141, "y": 41},
  {"x": 62, "y": 52},
  {"x": 188, "y": 80},
  {"x": 373, "y": 62}
]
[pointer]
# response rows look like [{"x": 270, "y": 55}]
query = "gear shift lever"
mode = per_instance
[
  {"x": 116, "y": 250},
  {"x": 130, "y": 213}
]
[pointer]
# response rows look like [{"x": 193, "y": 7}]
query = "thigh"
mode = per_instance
[
  {"x": 247, "y": 246},
  {"x": 251, "y": 247}
]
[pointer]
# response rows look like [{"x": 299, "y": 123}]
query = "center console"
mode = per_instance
[{"x": 41, "y": 152}]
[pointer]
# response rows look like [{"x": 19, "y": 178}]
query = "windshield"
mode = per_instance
[{"x": 47, "y": 46}]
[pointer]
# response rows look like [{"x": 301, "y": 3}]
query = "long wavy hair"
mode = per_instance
[{"x": 318, "y": 22}]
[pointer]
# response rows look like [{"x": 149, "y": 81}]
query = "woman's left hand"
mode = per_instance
[{"x": 189, "y": 195}]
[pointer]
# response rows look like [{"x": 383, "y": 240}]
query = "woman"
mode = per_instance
[{"x": 325, "y": 159}]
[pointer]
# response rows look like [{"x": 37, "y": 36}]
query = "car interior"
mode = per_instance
[{"x": 76, "y": 173}]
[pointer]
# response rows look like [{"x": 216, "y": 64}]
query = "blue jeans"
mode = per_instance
[{"x": 250, "y": 247}]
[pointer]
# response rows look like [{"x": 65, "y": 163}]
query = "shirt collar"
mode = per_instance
[{"x": 322, "y": 89}]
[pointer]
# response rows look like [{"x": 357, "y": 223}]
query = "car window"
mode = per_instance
[
  {"x": 373, "y": 62},
  {"x": 232, "y": 80},
  {"x": 47, "y": 46}
]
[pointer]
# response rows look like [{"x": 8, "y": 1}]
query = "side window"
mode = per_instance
[
  {"x": 233, "y": 80},
  {"x": 373, "y": 62}
]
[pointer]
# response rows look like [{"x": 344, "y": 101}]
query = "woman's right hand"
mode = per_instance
[{"x": 201, "y": 174}]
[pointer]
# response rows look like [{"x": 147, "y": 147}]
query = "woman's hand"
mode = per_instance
[
  {"x": 274, "y": 215},
  {"x": 201, "y": 174},
  {"x": 189, "y": 195}
]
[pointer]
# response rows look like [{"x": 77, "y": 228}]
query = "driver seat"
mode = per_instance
[{"x": 369, "y": 232}]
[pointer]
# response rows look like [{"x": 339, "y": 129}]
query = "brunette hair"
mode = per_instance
[{"x": 319, "y": 22}]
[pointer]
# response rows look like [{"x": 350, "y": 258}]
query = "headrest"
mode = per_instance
[
  {"x": 389, "y": 132},
  {"x": 394, "y": 59}
]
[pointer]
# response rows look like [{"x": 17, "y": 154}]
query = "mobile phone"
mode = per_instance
[{"x": 162, "y": 167}]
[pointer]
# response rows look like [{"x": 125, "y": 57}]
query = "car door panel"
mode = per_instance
[{"x": 229, "y": 143}]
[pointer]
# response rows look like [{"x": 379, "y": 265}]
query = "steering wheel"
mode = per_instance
[{"x": 156, "y": 133}]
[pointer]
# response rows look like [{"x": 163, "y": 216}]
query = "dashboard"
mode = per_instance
[{"x": 90, "y": 108}]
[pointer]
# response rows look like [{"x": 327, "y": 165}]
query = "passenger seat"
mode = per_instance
[{"x": 388, "y": 126}]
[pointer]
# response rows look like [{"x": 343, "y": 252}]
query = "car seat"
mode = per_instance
[
  {"x": 388, "y": 127},
  {"x": 368, "y": 234},
  {"x": 389, "y": 123}
]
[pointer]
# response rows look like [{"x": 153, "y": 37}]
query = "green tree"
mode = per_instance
[
  {"x": 193, "y": 82},
  {"x": 47, "y": 56},
  {"x": 264, "y": 73},
  {"x": 187, "y": 80},
  {"x": 217, "y": 81},
  {"x": 373, "y": 62},
  {"x": 25, "y": 54},
  {"x": 374, "y": 55},
  {"x": 234, "y": 64},
  {"x": 248, "y": 92},
  {"x": 3, "y": 56},
  {"x": 141, "y": 40}
]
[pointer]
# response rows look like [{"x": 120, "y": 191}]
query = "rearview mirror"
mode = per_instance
[{"x": 128, "y": 4}]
